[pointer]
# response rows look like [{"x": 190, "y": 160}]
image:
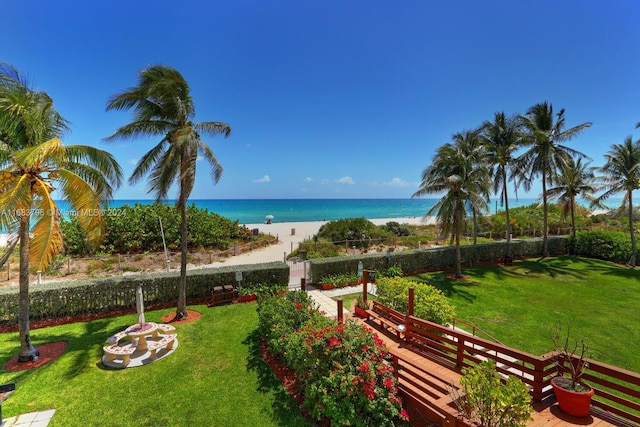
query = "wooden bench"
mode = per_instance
[
  {"x": 165, "y": 342},
  {"x": 222, "y": 294},
  {"x": 5, "y": 391},
  {"x": 111, "y": 352},
  {"x": 388, "y": 318}
]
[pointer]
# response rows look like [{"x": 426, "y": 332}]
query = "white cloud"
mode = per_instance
[
  {"x": 265, "y": 178},
  {"x": 397, "y": 182},
  {"x": 324, "y": 181},
  {"x": 308, "y": 179},
  {"x": 345, "y": 180},
  {"x": 133, "y": 162}
]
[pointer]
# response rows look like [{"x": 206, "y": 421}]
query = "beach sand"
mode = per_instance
[{"x": 290, "y": 234}]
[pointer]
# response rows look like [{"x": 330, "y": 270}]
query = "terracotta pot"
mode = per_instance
[
  {"x": 327, "y": 286},
  {"x": 573, "y": 403},
  {"x": 247, "y": 298},
  {"x": 362, "y": 312}
]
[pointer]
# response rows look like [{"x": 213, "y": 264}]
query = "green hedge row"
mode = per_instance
[
  {"x": 607, "y": 245},
  {"x": 57, "y": 300},
  {"x": 434, "y": 258}
]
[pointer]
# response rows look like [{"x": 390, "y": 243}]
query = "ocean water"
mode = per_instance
[{"x": 252, "y": 211}]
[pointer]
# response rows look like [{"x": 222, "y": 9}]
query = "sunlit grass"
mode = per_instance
[
  {"x": 519, "y": 305},
  {"x": 215, "y": 377}
]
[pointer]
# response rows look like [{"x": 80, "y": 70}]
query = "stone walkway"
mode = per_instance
[{"x": 32, "y": 419}]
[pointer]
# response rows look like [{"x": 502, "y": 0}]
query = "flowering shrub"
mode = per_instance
[
  {"x": 281, "y": 314},
  {"x": 346, "y": 374},
  {"x": 429, "y": 303}
]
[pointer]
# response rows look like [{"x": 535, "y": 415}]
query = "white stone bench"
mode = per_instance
[
  {"x": 165, "y": 342},
  {"x": 113, "y": 339},
  {"x": 164, "y": 327},
  {"x": 111, "y": 352}
]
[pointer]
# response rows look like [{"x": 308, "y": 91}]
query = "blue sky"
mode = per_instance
[{"x": 333, "y": 99}]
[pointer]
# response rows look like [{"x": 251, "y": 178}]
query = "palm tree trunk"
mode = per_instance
[
  {"x": 573, "y": 218},
  {"x": 181, "y": 310},
  {"x": 28, "y": 352},
  {"x": 545, "y": 225},
  {"x": 634, "y": 250},
  {"x": 506, "y": 211},
  {"x": 458, "y": 228}
]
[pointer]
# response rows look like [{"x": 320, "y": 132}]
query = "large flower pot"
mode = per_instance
[
  {"x": 362, "y": 312},
  {"x": 572, "y": 402}
]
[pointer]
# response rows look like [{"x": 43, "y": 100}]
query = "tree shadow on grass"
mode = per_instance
[
  {"x": 450, "y": 286},
  {"x": 285, "y": 408}
]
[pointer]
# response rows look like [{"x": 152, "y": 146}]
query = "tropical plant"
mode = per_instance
[
  {"x": 571, "y": 357},
  {"x": 352, "y": 231},
  {"x": 621, "y": 173},
  {"x": 464, "y": 184},
  {"x": 34, "y": 164},
  {"x": 487, "y": 400},
  {"x": 545, "y": 155},
  {"x": 163, "y": 108},
  {"x": 575, "y": 179},
  {"x": 501, "y": 139},
  {"x": 429, "y": 304}
]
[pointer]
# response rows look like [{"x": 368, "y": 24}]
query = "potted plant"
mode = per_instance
[
  {"x": 247, "y": 294},
  {"x": 360, "y": 307},
  {"x": 572, "y": 394}
]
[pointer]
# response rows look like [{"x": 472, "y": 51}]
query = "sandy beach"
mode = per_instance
[{"x": 290, "y": 234}]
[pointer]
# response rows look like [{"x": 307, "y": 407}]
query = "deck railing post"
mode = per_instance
[
  {"x": 340, "y": 310},
  {"x": 303, "y": 284},
  {"x": 365, "y": 280},
  {"x": 411, "y": 300}
]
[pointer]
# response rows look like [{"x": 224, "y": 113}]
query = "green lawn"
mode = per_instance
[
  {"x": 215, "y": 377},
  {"x": 518, "y": 305}
]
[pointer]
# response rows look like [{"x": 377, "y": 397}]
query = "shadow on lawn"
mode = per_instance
[{"x": 285, "y": 409}]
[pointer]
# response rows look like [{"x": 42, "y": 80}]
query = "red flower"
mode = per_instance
[
  {"x": 334, "y": 342},
  {"x": 298, "y": 306},
  {"x": 388, "y": 382},
  {"x": 404, "y": 415}
]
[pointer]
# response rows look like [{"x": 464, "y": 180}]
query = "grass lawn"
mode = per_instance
[
  {"x": 347, "y": 299},
  {"x": 518, "y": 305},
  {"x": 215, "y": 377}
]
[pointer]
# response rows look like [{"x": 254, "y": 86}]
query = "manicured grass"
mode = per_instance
[
  {"x": 518, "y": 305},
  {"x": 215, "y": 377}
]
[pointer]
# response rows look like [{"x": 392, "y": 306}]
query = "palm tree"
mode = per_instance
[
  {"x": 502, "y": 138},
  {"x": 621, "y": 173},
  {"x": 575, "y": 179},
  {"x": 546, "y": 154},
  {"x": 162, "y": 107},
  {"x": 34, "y": 164},
  {"x": 472, "y": 154},
  {"x": 451, "y": 172}
]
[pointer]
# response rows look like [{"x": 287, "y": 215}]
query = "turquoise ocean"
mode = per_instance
[{"x": 253, "y": 211}]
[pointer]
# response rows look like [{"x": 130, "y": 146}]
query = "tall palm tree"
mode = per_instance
[
  {"x": 621, "y": 173},
  {"x": 546, "y": 155},
  {"x": 450, "y": 172},
  {"x": 472, "y": 154},
  {"x": 34, "y": 164},
  {"x": 162, "y": 107},
  {"x": 575, "y": 179},
  {"x": 502, "y": 138}
]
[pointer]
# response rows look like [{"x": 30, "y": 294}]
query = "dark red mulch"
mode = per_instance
[{"x": 48, "y": 352}]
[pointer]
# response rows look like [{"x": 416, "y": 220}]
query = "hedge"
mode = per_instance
[
  {"x": 92, "y": 296},
  {"x": 432, "y": 259}
]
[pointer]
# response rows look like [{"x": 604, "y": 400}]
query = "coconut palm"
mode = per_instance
[
  {"x": 472, "y": 153},
  {"x": 546, "y": 155},
  {"x": 452, "y": 173},
  {"x": 162, "y": 107},
  {"x": 501, "y": 139},
  {"x": 575, "y": 179},
  {"x": 621, "y": 173},
  {"x": 34, "y": 164}
]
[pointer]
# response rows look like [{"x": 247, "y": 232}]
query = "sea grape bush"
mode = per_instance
[
  {"x": 136, "y": 229},
  {"x": 429, "y": 303},
  {"x": 344, "y": 370}
]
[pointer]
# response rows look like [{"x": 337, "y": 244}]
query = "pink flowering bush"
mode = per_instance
[{"x": 346, "y": 374}]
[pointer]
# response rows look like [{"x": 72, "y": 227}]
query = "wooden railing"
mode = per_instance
[{"x": 617, "y": 391}]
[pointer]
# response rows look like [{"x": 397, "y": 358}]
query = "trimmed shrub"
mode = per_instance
[
  {"x": 607, "y": 245},
  {"x": 429, "y": 303}
]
